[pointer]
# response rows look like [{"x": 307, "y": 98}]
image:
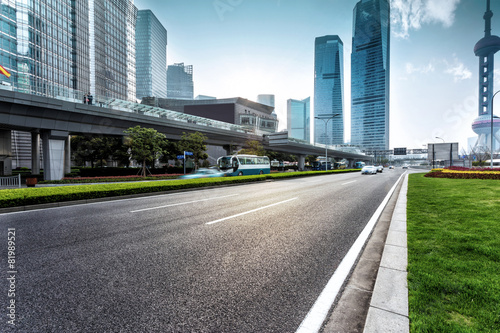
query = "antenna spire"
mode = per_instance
[{"x": 487, "y": 19}]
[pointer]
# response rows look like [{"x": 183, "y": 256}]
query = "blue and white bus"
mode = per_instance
[
  {"x": 244, "y": 165},
  {"x": 359, "y": 165}
]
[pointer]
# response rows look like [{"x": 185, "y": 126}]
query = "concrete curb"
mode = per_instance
[{"x": 388, "y": 311}]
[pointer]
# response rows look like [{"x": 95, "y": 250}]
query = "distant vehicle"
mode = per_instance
[
  {"x": 391, "y": 167},
  {"x": 496, "y": 163},
  {"x": 369, "y": 170},
  {"x": 203, "y": 173},
  {"x": 405, "y": 166},
  {"x": 340, "y": 165},
  {"x": 380, "y": 168},
  {"x": 359, "y": 165},
  {"x": 318, "y": 166},
  {"x": 244, "y": 165}
]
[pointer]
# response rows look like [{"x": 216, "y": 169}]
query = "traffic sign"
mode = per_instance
[
  {"x": 180, "y": 157},
  {"x": 188, "y": 153}
]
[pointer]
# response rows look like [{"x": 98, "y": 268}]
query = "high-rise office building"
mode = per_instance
[
  {"x": 180, "y": 81},
  {"x": 65, "y": 49},
  {"x": 112, "y": 49},
  {"x": 151, "y": 56},
  {"x": 370, "y": 75},
  {"x": 298, "y": 116},
  {"x": 329, "y": 90},
  {"x": 41, "y": 46}
]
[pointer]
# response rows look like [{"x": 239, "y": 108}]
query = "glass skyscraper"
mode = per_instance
[
  {"x": 329, "y": 89},
  {"x": 298, "y": 116},
  {"x": 151, "y": 56},
  {"x": 112, "y": 49},
  {"x": 370, "y": 64},
  {"x": 180, "y": 81},
  {"x": 40, "y": 46}
]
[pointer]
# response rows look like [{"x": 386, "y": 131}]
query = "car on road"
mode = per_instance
[
  {"x": 380, "y": 168},
  {"x": 391, "y": 167},
  {"x": 369, "y": 170},
  {"x": 405, "y": 166},
  {"x": 203, "y": 173}
]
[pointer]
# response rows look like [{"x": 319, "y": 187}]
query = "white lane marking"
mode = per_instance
[
  {"x": 250, "y": 211},
  {"x": 318, "y": 313},
  {"x": 181, "y": 203},
  {"x": 350, "y": 182}
]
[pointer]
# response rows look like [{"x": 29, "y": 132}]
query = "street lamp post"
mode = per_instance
[
  {"x": 491, "y": 157},
  {"x": 437, "y": 137},
  {"x": 326, "y": 117}
]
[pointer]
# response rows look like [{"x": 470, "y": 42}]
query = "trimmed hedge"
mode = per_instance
[{"x": 44, "y": 195}]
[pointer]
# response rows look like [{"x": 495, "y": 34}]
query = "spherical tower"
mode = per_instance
[{"x": 485, "y": 49}]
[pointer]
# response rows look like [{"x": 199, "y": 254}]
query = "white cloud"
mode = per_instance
[
  {"x": 458, "y": 70},
  {"x": 409, "y": 15},
  {"x": 424, "y": 69}
]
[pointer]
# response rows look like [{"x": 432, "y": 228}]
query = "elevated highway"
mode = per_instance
[{"x": 53, "y": 120}]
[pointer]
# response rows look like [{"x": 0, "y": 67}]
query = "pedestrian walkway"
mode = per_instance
[
  {"x": 388, "y": 310},
  {"x": 375, "y": 299}
]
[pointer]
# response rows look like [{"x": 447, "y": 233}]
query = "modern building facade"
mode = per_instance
[
  {"x": 112, "y": 49},
  {"x": 298, "y": 118},
  {"x": 180, "y": 81},
  {"x": 329, "y": 90},
  {"x": 239, "y": 111},
  {"x": 151, "y": 56},
  {"x": 267, "y": 99},
  {"x": 370, "y": 65},
  {"x": 65, "y": 49}
]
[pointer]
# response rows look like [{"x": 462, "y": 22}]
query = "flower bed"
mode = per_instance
[{"x": 464, "y": 173}]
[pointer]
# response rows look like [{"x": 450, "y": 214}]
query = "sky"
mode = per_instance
[{"x": 243, "y": 48}]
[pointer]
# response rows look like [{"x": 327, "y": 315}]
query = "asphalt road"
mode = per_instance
[{"x": 247, "y": 258}]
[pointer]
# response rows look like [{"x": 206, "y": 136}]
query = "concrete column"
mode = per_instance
[
  {"x": 5, "y": 153},
  {"x": 302, "y": 162},
  {"x": 35, "y": 153},
  {"x": 53, "y": 154},
  {"x": 67, "y": 155}
]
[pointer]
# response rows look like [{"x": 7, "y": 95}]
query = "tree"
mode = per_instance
[
  {"x": 145, "y": 145},
  {"x": 93, "y": 149},
  {"x": 254, "y": 147},
  {"x": 311, "y": 159},
  {"x": 195, "y": 143}
]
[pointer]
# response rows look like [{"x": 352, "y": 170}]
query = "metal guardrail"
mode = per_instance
[{"x": 12, "y": 181}]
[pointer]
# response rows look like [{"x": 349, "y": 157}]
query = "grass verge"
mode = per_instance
[
  {"x": 44, "y": 195},
  {"x": 453, "y": 255}
]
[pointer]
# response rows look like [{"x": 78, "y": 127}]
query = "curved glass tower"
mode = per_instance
[
  {"x": 329, "y": 90},
  {"x": 370, "y": 65}
]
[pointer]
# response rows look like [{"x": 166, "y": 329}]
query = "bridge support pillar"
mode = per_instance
[
  {"x": 302, "y": 162},
  {"x": 35, "y": 153},
  {"x": 53, "y": 154},
  {"x": 67, "y": 155},
  {"x": 5, "y": 153}
]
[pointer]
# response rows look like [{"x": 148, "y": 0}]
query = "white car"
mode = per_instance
[{"x": 369, "y": 170}]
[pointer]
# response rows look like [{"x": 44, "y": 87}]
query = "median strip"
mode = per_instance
[
  {"x": 250, "y": 211},
  {"x": 180, "y": 203}
]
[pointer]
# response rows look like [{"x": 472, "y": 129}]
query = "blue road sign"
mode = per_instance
[
  {"x": 180, "y": 157},
  {"x": 188, "y": 153}
]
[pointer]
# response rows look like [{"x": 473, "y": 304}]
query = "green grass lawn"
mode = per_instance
[{"x": 453, "y": 255}]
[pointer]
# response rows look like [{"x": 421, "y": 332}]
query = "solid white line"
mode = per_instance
[
  {"x": 250, "y": 211},
  {"x": 350, "y": 182},
  {"x": 318, "y": 313},
  {"x": 180, "y": 203}
]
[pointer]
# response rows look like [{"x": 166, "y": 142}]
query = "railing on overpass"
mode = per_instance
[{"x": 70, "y": 95}]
